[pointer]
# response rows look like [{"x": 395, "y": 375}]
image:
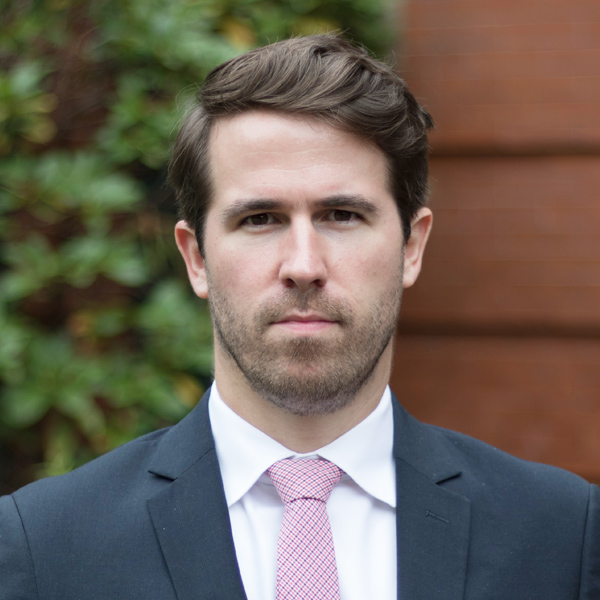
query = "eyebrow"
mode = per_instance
[
  {"x": 353, "y": 201},
  {"x": 241, "y": 207}
]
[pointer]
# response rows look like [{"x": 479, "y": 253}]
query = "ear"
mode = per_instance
[
  {"x": 185, "y": 237},
  {"x": 415, "y": 246}
]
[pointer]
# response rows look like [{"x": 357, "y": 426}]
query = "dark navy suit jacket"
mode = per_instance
[{"x": 149, "y": 521}]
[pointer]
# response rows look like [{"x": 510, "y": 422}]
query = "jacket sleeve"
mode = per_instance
[
  {"x": 590, "y": 561},
  {"x": 17, "y": 577}
]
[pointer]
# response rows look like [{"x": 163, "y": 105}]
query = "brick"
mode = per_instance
[
  {"x": 451, "y": 92},
  {"x": 515, "y": 247},
  {"x": 516, "y": 221},
  {"x": 423, "y": 14},
  {"x": 559, "y": 120},
  {"x": 523, "y": 274},
  {"x": 477, "y": 183},
  {"x": 532, "y": 37},
  {"x": 503, "y": 65},
  {"x": 494, "y": 307},
  {"x": 536, "y": 398},
  {"x": 514, "y": 87}
]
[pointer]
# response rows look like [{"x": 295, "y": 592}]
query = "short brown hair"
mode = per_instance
[{"x": 325, "y": 77}]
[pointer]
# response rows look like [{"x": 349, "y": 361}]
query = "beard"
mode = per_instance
[{"x": 306, "y": 375}]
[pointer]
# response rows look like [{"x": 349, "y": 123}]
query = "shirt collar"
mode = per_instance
[{"x": 364, "y": 453}]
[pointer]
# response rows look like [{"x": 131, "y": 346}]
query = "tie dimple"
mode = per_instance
[{"x": 306, "y": 567}]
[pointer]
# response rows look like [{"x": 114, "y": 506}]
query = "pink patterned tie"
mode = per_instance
[{"x": 306, "y": 568}]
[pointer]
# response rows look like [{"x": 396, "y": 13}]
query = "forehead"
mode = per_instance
[{"x": 264, "y": 152}]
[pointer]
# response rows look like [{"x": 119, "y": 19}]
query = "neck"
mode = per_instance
[{"x": 300, "y": 434}]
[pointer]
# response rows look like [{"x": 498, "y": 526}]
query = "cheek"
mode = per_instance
[
  {"x": 372, "y": 265},
  {"x": 380, "y": 276},
  {"x": 238, "y": 276}
]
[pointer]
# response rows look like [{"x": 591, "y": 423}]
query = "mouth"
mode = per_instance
[{"x": 305, "y": 323}]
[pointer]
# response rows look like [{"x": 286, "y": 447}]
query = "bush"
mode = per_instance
[{"x": 101, "y": 339}]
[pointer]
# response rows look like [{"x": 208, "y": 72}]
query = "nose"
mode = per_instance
[{"x": 303, "y": 263}]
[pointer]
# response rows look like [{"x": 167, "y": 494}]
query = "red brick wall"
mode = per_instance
[
  {"x": 500, "y": 337},
  {"x": 507, "y": 74}
]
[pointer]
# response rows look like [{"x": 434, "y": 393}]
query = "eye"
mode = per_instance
[
  {"x": 342, "y": 216},
  {"x": 258, "y": 220}
]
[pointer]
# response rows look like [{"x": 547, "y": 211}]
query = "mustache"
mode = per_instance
[{"x": 302, "y": 302}]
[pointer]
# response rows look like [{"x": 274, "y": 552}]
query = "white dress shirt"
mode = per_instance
[{"x": 361, "y": 507}]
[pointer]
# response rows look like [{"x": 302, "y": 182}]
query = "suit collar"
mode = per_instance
[
  {"x": 419, "y": 445},
  {"x": 433, "y": 523},
  {"x": 364, "y": 452},
  {"x": 423, "y": 447},
  {"x": 190, "y": 515},
  {"x": 191, "y": 518},
  {"x": 184, "y": 444}
]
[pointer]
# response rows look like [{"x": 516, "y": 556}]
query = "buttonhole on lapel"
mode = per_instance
[{"x": 433, "y": 516}]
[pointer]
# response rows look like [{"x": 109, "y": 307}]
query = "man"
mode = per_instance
[{"x": 301, "y": 177}]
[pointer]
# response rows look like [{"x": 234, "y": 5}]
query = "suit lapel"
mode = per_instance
[
  {"x": 191, "y": 518},
  {"x": 190, "y": 514},
  {"x": 433, "y": 523}
]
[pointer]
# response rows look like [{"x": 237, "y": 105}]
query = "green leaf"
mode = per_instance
[
  {"x": 33, "y": 264},
  {"x": 76, "y": 403},
  {"x": 100, "y": 340},
  {"x": 60, "y": 451},
  {"x": 23, "y": 406}
]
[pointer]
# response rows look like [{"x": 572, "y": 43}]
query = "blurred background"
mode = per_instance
[
  {"x": 101, "y": 339},
  {"x": 500, "y": 338}
]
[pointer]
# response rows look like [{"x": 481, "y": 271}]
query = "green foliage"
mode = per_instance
[{"x": 101, "y": 338}]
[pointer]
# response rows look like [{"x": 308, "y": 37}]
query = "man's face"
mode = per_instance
[{"x": 304, "y": 259}]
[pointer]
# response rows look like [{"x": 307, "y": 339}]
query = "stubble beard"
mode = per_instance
[{"x": 306, "y": 375}]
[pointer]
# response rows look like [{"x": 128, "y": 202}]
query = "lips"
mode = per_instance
[
  {"x": 304, "y": 311},
  {"x": 307, "y": 318},
  {"x": 304, "y": 324}
]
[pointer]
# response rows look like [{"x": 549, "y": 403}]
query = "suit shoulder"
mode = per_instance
[
  {"x": 445, "y": 454},
  {"x": 121, "y": 467},
  {"x": 129, "y": 474},
  {"x": 485, "y": 466}
]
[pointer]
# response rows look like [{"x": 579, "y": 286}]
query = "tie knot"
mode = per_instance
[{"x": 296, "y": 478}]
